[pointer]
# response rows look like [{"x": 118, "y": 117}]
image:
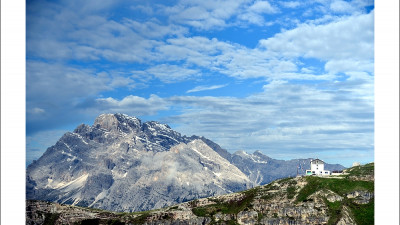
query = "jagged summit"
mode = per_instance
[
  {"x": 122, "y": 164},
  {"x": 112, "y": 122}
]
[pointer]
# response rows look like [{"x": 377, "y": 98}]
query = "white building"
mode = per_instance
[{"x": 317, "y": 168}]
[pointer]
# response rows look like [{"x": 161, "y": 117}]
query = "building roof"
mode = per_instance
[{"x": 317, "y": 161}]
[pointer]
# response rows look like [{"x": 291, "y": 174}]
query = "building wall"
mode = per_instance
[
  {"x": 318, "y": 168},
  {"x": 317, "y": 165}
]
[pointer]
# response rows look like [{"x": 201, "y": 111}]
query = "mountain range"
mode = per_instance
[
  {"x": 345, "y": 199},
  {"x": 122, "y": 164}
]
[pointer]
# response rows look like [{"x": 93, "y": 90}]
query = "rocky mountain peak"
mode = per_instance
[
  {"x": 107, "y": 122},
  {"x": 116, "y": 122},
  {"x": 258, "y": 153},
  {"x": 130, "y": 166}
]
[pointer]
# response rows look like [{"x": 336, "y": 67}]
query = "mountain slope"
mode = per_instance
[
  {"x": 344, "y": 199},
  {"x": 123, "y": 165}
]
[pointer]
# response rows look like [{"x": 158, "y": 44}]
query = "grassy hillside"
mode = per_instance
[{"x": 347, "y": 198}]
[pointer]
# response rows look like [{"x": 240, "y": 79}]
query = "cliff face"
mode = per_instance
[{"x": 345, "y": 199}]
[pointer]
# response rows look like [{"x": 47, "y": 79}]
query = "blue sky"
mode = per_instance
[{"x": 294, "y": 79}]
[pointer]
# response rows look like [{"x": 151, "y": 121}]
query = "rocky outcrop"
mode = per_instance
[
  {"x": 360, "y": 197},
  {"x": 329, "y": 195},
  {"x": 346, "y": 218}
]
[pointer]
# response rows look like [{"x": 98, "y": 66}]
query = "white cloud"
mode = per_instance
[
  {"x": 53, "y": 82},
  {"x": 47, "y": 82},
  {"x": 229, "y": 59},
  {"x": 290, "y": 4},
  {"x": 153, "y": 28},
  {"x": 36, "y": 110},
  {"x": 208, "y": 15},
  {"x": 55, "y": 91},
  {"x": 349, "y": 7},
  {"x": 143, "y": 8},
  {"x": 131, "y": 105},
  {"x": 285, "y": 117},
  {"x": 347, "y": 38},
  {"x": 206, "y": 88},
  {"x": 64, "y": 34},
  {"x": 341, "y": 6},
  {"x": 172, "y": 73},
  {"x": 262, "y": 7},
  {"x": 307, "y": 70},
  {"x": 254, "y": 13},
  {"x": 346, "y": 65},
  {"x": 204, "y": 15}
]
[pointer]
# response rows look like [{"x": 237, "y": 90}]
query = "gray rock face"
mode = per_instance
[
  {"x": 121, "y": 164},
  {"x": 360, "y": 197}
]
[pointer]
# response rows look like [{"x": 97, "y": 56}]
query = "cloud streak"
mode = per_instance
[{"x": 206, "y": 88}]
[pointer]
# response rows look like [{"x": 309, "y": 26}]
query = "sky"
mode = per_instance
[{"x": 293, "y": 79}]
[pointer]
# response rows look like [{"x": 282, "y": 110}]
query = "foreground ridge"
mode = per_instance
[{"x": 342, "y": 199}]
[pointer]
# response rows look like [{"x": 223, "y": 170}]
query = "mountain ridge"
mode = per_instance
[{"x": 122, "y": 164}]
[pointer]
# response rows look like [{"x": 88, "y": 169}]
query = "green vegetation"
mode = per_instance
[
  {"x": 97, "y": 221},
  {"x": 50, "y": 218},
  {"x": 268, "y": 196},
  {"x": 260, "y": 217},
  {"x": 115, "y": 222},
  {"x": 89, "y": 222},
  {"x": 173, "y": 208},
  {"x": 194, "y": 203},
  {"x": 231, "y": 222},
  {"x": 270, "y": 187},
  {"x": 264, "y": 191},
  {"x": 365, "y": 170},
  {"x": 339, "y": 186},
  {"x": 290, "y": 192},
  {"x": 229, "y": 207},
  {"x": 284, "y": 180},
  {"x": 335, "y": 211},
  {"x": 141, "y": 219},
  {"x": 289, "y": 181},
  {"x": 363, "y": 214}
]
